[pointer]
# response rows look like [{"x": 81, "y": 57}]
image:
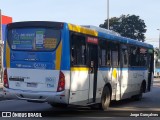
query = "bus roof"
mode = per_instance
[
  {"x": 114, "y": 36},
  {"x": 91, "y": 30}
]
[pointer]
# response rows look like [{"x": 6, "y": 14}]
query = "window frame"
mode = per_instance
[
  {"x": 28, "y": 27},
  {"x": 107, "y": 49},
  {"x": 138, "y": 47},
  {"x": 118, "y": 58},
  {"x": 122, "y": 59},
  {"x": 82, "y": 35}
]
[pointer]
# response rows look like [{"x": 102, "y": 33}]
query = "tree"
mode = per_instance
[
  {"x": 156, "y": 53},
  {"x": 130, "y": 26}
]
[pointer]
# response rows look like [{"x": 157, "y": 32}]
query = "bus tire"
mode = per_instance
[
  {"x": 58, "y": 105},
  {"x": 106, "y": 98}
]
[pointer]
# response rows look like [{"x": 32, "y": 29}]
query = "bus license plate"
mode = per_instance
[{"x": 31, "y": 84}]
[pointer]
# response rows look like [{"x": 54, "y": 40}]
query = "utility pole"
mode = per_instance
[
  {"x": 108, "y": 12},
  {"x": 159, "y": 38}
]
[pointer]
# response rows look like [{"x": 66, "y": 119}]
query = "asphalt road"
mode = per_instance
[{"x": 149, "y": 104}]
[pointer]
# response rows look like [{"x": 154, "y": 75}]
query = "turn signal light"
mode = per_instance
[
  {"x": 5, "y": 79},
  {"x": 61, "y": 83}
]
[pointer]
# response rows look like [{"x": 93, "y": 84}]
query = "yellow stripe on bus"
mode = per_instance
[
  {"x": 79, "y": 69},
  {"x": 77, "y": 28},
  {"x": 7, "y": 55},
  {"x": 58, "y": 56},
  {"x": 114, "y": 73}
]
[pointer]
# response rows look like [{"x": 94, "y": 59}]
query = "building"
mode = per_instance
[{"x": 4, "y": 20}]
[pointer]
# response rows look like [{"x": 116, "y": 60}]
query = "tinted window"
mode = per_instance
[
  {"x": 115, "y": 54},
  {"x": 143, "y": 57},
  {"x": 104, "y": 53},
  {"x": 124, "y": 53},
  {"x": 134, "y": 56},
  {"x": 138, "y": 56},
  {"x": 78, "y": 50},
  {"x": 33, "y": 38}
]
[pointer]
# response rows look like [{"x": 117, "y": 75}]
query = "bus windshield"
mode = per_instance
[{"x": 33, "y": 39}]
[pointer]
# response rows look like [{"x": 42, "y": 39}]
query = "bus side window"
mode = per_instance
[
  {"x": 138, "y": 57},
  {"x": 133, "y": 56},
  {"x": 104, "y": 53},
  {"x": 143, "y": 57},
  {"x": 109, "y": 57},
  {"x": 78, "y": 50},
  {"x": 115, "y": 54},
  {"x": 73, "y": 55},
  {"x": 124, "y": 53}
]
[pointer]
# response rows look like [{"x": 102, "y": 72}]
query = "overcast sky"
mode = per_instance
[{"x": 85, "y": 12}]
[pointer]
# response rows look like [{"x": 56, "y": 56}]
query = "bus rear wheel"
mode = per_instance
[{"x": 106, "y": 98}]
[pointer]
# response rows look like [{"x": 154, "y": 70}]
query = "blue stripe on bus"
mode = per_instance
[
  {"x": 32, "y": 60},
  {"x": 130, "y": 68},
  {"x": 32, "y": 65},
  {"x": 4, "y": 39},
  {"x": 3, "y": 31},
  {"x": 38, "y": 56},
  {"x": 104, "y": 69},
  {"x": 123, "y": 39},
  {"x": 137, "y": 68},
  {"x": 65, "y": 60}
]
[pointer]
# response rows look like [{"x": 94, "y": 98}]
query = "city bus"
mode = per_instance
[{"x": 65, "y": 64}]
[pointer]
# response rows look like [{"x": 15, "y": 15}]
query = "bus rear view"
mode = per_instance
[
  {"x": 32, "y": 62},
  {"x": 66, "y": 64}
]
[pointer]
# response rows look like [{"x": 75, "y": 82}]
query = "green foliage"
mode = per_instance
[{"x": 130, "y": 26}]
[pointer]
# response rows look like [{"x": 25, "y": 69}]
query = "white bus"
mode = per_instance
[{"x": 65, "y": 64}]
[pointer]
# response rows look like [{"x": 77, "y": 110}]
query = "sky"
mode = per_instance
[{"x": 85, "y": 12}]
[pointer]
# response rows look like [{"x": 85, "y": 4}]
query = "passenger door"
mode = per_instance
[
  {"x": 93, "y": 66},
  {"x": 79, "y": 84}
]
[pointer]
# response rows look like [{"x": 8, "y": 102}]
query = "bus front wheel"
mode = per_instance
[{"x": 106, "y": 98}]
